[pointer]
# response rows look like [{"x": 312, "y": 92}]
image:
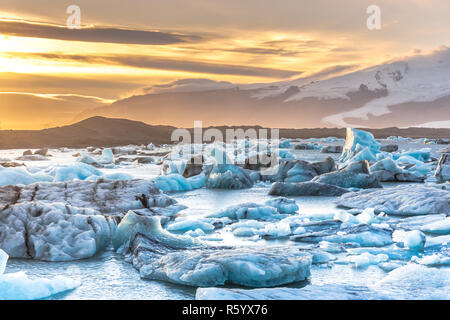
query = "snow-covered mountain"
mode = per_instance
[{"x": 413, "y": 91}]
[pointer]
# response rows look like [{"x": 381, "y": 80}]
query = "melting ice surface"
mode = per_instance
[{"x": 387, "y": 272}]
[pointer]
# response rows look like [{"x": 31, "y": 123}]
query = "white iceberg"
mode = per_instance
[
  {"x": 17, "y": 286},
  {"x": 407, "y": 200}
]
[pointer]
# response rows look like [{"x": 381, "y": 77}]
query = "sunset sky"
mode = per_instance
[{"x": 125, "y": 46}]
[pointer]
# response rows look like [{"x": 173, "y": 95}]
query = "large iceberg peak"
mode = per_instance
[{"x": 359, "y": 142}]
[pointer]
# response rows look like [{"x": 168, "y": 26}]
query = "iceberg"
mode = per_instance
[
  {"x": 17, "y": 286},
  {"x": 228, "y": 176},
  {"x": 300, "y": 171},
  {"x": 416, "y": 280},
  {"x": 306, "y": 189},
  {"x": 274, "y": 209},
  {"x": 442, "y": 173},
  {"x": 159, "y": 255},
  {"x": 441, "y": 227},
  {"x": 412, "y": 240},
  {"x": 20, "y": 176},
  {"x": 355, "y": 175},
  {"x": 104, "y": 196},
  {"x": 366, "y": 259},
  {"x": 406, "y": 200},
  {"x": 359, "y": 145},
  {"x": 187, "y": 225},
  {"x": 176, "y": 182},
  {"x": 309, "y": 292},
  {"x": 362, "y": 235},
  {"x": 41, "y": 231},
  {"x": 283, "y": 205}
]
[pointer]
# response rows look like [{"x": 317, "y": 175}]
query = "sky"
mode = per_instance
[{"x": 126, "y": 46}]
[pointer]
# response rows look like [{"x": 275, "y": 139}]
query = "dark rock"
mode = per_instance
[
  {"x": 194, "y": 166},
  {"x": 332, "y": 149},
  {"x": 389, "y": 148}
]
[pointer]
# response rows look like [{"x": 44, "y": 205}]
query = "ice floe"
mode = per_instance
[
  {"x": 18, "y": 286},
  {"x": 159, "y": 255},
  {"x": 404, "y": 200}
]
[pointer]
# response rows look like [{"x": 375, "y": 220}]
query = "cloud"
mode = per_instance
[
  {"x": 152, "y": 62},
  {"x": 189, "y": 85},
  {"x": 92, "y": 34}
]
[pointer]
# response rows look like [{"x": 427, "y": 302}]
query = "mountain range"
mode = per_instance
[
  {"x": 105, "y": 132},
  {"x": 414, "y": 91}
]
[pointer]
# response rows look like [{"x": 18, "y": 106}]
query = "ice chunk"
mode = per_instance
[
  {"x": 228, "y": 176},
  {"x": 285, "y": 144},
  {"x": 134, "y": 223},
  {"x": 159, "y": 255},
  {"x": 283, "y": 205},
  {"x": 265, "y": 267},
  {"x": 107, "y": 157},
  {"x": 20, "y": 176},
  {"x": 247, "y": 211},
  {"x": 366, "y": 259},
  {"x": 309, "y": 292},
  {"x": 413, "y": 240},
  {"x": 355, "y": 175},
  {"x": 401, "y": 200},
  {"x": 438, "y": 227},
  {"x": 186, "y": 225},
  {"x": 38, "y": 230},
  {"x": 176, "y": 182},
  {"x": 434, "y": 260},
  {"x": 363, "y": 235},
  {"x": 359, "y": 141},
  {"x": 443, "y": 170},
  {"x": 421, "y": 155},
  {"x": 17, "y": 286},
  {"x": 417, "y": 280},
  {"x": 300, "y": 171},
  {"x": 104, "y": 196}
]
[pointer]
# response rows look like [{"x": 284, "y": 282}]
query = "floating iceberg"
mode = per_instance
[
  {"x": 443, "y": 170},
  {"x": 309, "y": 292},
  {"x": 41, "y": 231},
  {"x": 273, "y": 209},
  {"x": 412, "y": 240},
  {"x": 104, "y": 196},
  {"x": 417, "y": 280},
  {"x": 228, "y": 176},
  {"x": 106, "y": 158},
  {"x": 300, "y": 171},
  {"x": 17, "y": 286},
  {"x": 283, "y": 205},
  {"x": 306, "y": 189},
  {"x": 404, "y": 200},
  {"x": 362, "y": 235},
  {"x": 176, "y": 182},
  {"x": 438, "y": 227},
  {"x": 366, "y": 259},
  {"x": 355, "y": 175},
  {"x": 162, "y": 256},
  {"x": 359, "y": 145}
]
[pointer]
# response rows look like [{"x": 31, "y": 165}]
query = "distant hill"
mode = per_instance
[
  {"x": 107, "y": 132},
  {"x": 95, "y": 131}
]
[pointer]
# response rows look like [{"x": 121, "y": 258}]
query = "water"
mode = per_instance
[{"x": 108, "y": 276}]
